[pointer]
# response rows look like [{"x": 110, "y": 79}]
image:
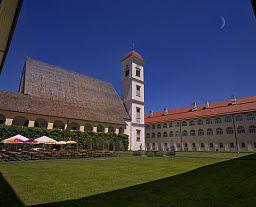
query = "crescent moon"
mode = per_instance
[{"x": 223, "y": 22}]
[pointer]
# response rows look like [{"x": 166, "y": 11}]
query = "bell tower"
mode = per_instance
[{"x": 133, "y": 97}]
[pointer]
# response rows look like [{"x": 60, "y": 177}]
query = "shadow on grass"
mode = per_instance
[
  {"x": 8, "y": 197},
  {"x": 229, "y": 183}
]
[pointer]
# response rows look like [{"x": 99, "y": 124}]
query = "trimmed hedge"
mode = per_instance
[{"x": 86, "y": 140}]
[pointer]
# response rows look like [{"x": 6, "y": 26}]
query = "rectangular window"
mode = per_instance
[
  {"x": 138, "y": 72},
  {"x": 137, "y": 90},
  {"x": 138, "y": 135},
  {"x": 137, "y": 114}
]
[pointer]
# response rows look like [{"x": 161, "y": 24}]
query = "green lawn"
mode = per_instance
[{"x": 189, "y": 179}]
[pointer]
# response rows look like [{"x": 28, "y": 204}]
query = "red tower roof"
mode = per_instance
[{"x": 134, "y": 54}]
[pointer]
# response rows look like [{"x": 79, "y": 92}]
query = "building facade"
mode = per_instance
[
  {"x": 221, "y": 126},
  {"x": 55, "y": 98}
]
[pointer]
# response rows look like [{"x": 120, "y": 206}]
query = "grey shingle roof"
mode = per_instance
[{"x": 50, "y": 90}]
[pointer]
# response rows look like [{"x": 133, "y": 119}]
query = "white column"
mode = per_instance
[
  {"x": 94, "y": 129},
  {"x": 8, "y": 122},
  {"x": 82, "y": 128},
  {"x": 50, "y": 125},
  {"x": 31, "y": 123}
]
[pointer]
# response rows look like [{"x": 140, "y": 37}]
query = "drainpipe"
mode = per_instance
[{"x": 234, "y": 125}]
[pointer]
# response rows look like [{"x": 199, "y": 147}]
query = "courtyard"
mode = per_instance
[{"x": 188, "y": 179}]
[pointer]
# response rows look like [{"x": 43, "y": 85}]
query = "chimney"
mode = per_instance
[
  {"x": 233, "y": 100},
  {"x": 151, "y": 113},
  {"x": 194, "y": 106},
  {"x": 165, "y": 112},
  {"x": 207, "y": 104}
]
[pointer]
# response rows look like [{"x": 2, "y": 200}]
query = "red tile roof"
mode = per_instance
[
  {"x": 134, "y": 54},
  {"x": 244, "y": 104}
]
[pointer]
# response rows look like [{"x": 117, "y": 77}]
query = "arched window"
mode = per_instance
[
  {"x": 177, "y": 124},
  {"x": 250, "y": 116},
  {"x": 208, "y": 121},
  {"x": 148, "y": 135},
  {"x": 20, "y": 121},
  {"x": 228, "y": 119},
  {"x": 165, "y": 125},
  {"x": 184, "y": 123},
  {"x": 243, "y": 145},
  {"x": 192, "y": 133},
  {"x": 100, "y": 128},
  {"x": 58, "y": 124},
  {"x": 209, "y": 132},
  {"x": 229, "y": 130},
  {"x": 211, "y": 145},
  {"x": 252, "y": 129},
  {"x": 121, "y": 130},
  {"x": 177, "y": 134},
  {"x": 171, "y": 134},
  {"x": 159, "y": 126},
  {"x": 2, "y": 119},
  {"x": 153, "y": 126},
  {"x": 191, "y": 123},
  {"x": 239, "y": 117},
  {"x": 153, "y": 135},
  {"x": 147, "y": 126},
  {"x": 193, "y": 145},
  {"x": 111, "y": 129},
  {"x": 186, "y": 145},
  {"x": 184, "y": 133},
  {"x": 200, "y": 122},
  {"x": 170, "y": 124},
  {"x": 42, "y": 123},
  {"x": 221, "y": 145},
  {"x": 231, "y": 145},
  {"x": 202, "y": 145},
  {"x": 217, "y": 120},
  {"x": 74, "y": 126},
  {"x": 88, "y": 127},
  {"x": 165, "y": 134},
  {"x": 219, "y": 131},
  {"x": 200, "y": 132},
  {"x": 240, "y": 130},
  {"x": 159, "y": 135}
]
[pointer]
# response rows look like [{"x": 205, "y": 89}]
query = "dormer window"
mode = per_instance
[
  {"x": 194, "y": 106},
  {"x": 233, "y": 100},
  {"x": 137, "y": 72}
]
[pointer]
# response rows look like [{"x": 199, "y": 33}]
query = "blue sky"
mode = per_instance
[{"x": 187, "y": 56}]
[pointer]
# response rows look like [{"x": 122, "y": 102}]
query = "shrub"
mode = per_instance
[
  {"x": 150, "y": 154},
  {"x": 137, "y": 153},
  {"x": 170, "y": 153},
  {"x": 112, "y": 141},
  {"x": 159, "y": 154}
]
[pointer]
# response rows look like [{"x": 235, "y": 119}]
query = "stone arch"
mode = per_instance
[
  {"x": 58, "y": 124},
  {"x": 121, "y": 130},
  {"x": 111, "y": 129},
  {"x": 100, "y": 144},
  {"x": 100, "y": 128},
  {"x": 88, "y": 144},
  {"x": 42, "y": 123},
  {"x": 88, "y": 127},
  {"x": 74, "y": 126},
  {"x": 20, "y": 121},
  {"x": 2, "y": 119}
]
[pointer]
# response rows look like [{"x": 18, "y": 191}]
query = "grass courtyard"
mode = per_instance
[{"x": 189, "y": 179}]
